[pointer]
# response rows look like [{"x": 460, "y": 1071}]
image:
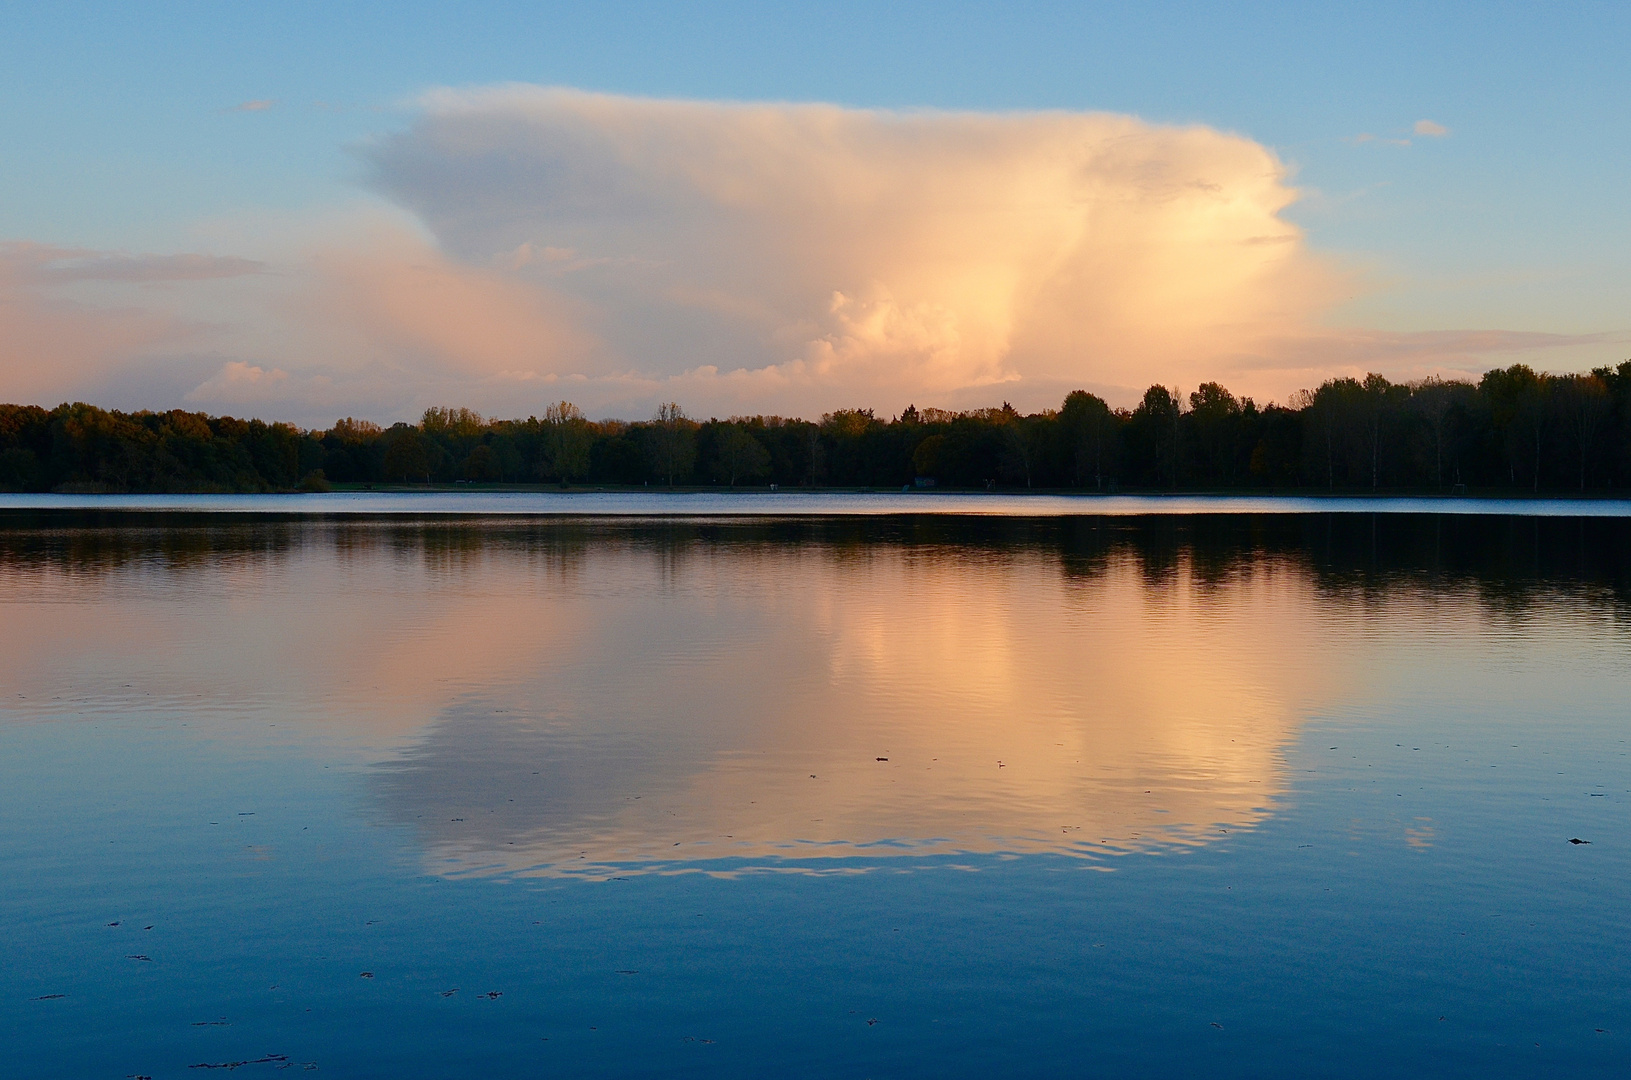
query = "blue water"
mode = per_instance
[
  {"x": 606, "y": 799},
  {"x": 800, "y": 504}
]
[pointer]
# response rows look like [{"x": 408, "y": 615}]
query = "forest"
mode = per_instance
[{"x": 1514, "y": 430}]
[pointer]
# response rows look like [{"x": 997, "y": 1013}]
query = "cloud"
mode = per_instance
[
  {"x": 238, "y": 383},
  {"x": 121, "y": 266},
  {"x": 1366, "y": 137},
  {"x": 373, "y": 320},
  {"x": 51, "y": 344},
  {"x": 260, "y": 105},
  {"x": 1428, "y": 127},
  {"x": 1307, "y": 358},
  {"x": 44, "y": 263},
  {"x": 811, "y": 253},
  {"x": 387, "y": 299},
  {"x": 530, "y": 244}
]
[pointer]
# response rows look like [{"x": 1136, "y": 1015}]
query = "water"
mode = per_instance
[
  {"x": 1235, "y": 794},
  {"x": 663, "y": 504}
]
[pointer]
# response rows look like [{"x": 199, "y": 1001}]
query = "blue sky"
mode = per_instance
[{"x": 120, "y": 134}]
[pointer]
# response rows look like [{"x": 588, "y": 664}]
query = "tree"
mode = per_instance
[
  {"x": 1379, "y": 402},
  {"x": 926, "y": 456},
  {"x": 815, "y": 454},
  {"x": 19, "y": 469},
  {"x": 1019, "y": 445},
  {"x": 738, "y": 455},
  {"x": 1157, "y": 418},
  {"x": 672, "y": 442},
  {"x": 480, "y": 464},
  {"x": 451, "y": 423},
  {"x": 1583, "y": 405},
  {"x": 1088, "y": 428},
  {"x": 406, "y": 458},
  {"x": 1517, "y": 399},
  {"x": 1433, "y": 399},
  {"x": 1214, "y": 416},
  {"x": 1334, "y": 410},
  {"x": 568, "y": 440}
]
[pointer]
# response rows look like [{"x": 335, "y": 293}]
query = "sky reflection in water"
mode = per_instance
[{"x": 1283, "y": 706}]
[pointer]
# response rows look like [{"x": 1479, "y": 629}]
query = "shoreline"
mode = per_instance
[{"x": 800, "y": 504}]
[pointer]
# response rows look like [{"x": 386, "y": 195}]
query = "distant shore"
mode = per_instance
[
  {"x": 470, "y": 502},
  {"x": 460, "y": 487},
  {"x": 1516, "y": 432}
]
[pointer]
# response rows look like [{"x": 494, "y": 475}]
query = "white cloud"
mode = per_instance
[
  {"x": 1428, "y": 127},
  {"x": 538, "y": 244},
  {"x": 821, "y": 255},
  {"x": 239, "y": 383}
]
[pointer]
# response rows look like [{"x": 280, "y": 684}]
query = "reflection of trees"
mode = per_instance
[{"x": 1512, "y": 562}]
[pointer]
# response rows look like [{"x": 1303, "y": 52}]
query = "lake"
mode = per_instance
[{"x": 386, "y": 787}]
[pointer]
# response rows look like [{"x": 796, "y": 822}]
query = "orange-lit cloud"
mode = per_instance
[
  {"x": 390, "y": 297},
  {"x": 536, "y": 244},
  {"x": 809, "y": 254},
  {"x": 238, "y": 383},
  {"x": 1307, "y": 358},
  {"x": 57, "y": 338}
]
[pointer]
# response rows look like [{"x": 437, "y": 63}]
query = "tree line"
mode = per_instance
[{"x": 1515, "y": 429}]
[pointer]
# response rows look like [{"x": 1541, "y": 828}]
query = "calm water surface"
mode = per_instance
[
  {"x": 742, "y": 504},
  {"x": 1242, "y": 795}
]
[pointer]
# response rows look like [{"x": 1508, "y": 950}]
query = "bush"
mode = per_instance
[{"x": 315, "y": 481}]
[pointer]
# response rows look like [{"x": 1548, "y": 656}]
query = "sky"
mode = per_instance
[{"x": 308, "y": 211}]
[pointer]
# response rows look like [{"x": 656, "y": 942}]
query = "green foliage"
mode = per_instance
[
  {"x": 568, "y": 444},
  {"x": 737, "y": 455},
  {"x": 315, "y": 481},
  {"x": 406, "y": 455},
  {"x": 671, "y": 444}
]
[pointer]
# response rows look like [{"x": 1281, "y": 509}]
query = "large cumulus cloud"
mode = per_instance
[
  {"x": 814, "y": 254},
  {"x": 524, "y": 244}
]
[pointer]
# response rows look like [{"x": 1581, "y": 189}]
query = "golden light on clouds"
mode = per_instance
[
  {"x": 526, "y": 244},
  {"x": 837, "y": 253}
]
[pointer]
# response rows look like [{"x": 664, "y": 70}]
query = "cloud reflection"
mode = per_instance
[
  {"x": 807, "y": 704},
  {"x": 577, "y": 697}
]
